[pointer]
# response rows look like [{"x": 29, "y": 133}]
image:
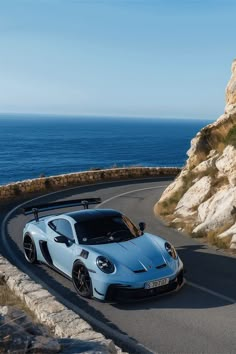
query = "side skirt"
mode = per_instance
[{"x": 57, "y": 270}]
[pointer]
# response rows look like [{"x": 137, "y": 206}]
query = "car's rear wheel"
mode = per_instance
[
  {"x": 81, "y": 280},
  {"x": 29, "y": 249}
]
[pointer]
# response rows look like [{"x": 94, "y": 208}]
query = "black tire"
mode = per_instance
[
  {"x": 29, "y": 249},
  {"x": 81, "y": 280}
]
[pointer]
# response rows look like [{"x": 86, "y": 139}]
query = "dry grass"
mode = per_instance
[
  {"x": 218, "y": 242},
  {"x": 211, "y": 237},
  {"x": 20, "y": 320},
  {"x": 231, "y": 137},
  {"x": 220, "y": 147},
  {"x": 186, "y": 225},
  {"x": 188, "y": 180},
  {"x": 8, "y": 298},
  {"x": 219, "y": 182},
  {"x": 168, "y": 206}
]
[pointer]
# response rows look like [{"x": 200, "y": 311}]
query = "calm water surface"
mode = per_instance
[{"x": 53, "y": 145}]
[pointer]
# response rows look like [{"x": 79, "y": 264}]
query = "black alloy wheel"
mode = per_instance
[
  {"x": 81, "y": 280},
  {"x": 29, "y": 249}
]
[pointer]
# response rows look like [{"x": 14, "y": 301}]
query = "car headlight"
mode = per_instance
[
  {"x": 171, "y": 250},
  {"x": 105, "y": 265}
]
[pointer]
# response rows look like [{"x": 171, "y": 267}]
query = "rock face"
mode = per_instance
[
  {"x": 20, "y": 335},
  {"x": 231, "y": 89},
  {"x": 202, "y": 199},
  {"x": 73, "y": 333}
]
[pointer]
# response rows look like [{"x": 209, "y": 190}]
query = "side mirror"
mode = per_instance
[
  {"x": 61, "y": 239},
  {"x": 142, "y": 226}
]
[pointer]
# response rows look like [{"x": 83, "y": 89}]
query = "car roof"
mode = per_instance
[{"x": 92, "y": 214}]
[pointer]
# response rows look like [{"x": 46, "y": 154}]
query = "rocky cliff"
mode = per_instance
[{"x": 202, "y": 199}]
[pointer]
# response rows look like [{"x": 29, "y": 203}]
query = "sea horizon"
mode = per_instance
[
  {"x": 31, "y": 147},
  {"x": 49, "y": 116}
]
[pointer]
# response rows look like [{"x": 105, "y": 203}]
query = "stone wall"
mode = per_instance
[
  {"x": 73, "y": 179},
  {"x": 64, "y": 323}
]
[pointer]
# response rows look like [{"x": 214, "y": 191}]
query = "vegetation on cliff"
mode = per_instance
[{"x": 202, "y": 199}]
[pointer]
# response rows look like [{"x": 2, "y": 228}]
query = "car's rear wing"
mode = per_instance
[{"x": 35, "y": 209}]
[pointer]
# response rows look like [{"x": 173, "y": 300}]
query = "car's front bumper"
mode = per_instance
[{"x": 119, "y": 292}]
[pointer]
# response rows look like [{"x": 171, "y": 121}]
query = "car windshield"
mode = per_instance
[{"x": 106, "y": 229}]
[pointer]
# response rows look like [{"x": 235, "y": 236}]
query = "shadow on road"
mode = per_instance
[
  {"x": 205, "y": 267},
  {"x": 214, "y": 272},
  {"x": 63, "y": 290}
]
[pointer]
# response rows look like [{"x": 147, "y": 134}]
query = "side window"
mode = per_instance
[
  {"x": 62, "y": 227},
  {"x": 133, "y": 229}
]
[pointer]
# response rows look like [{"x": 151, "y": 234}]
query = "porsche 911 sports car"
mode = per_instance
[{"x": 102, "y": 252}]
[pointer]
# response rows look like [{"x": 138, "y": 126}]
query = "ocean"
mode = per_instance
[{"x": 31, "y": 146}]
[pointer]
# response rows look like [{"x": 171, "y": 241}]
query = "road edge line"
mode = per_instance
[{"x": 119, "y": 337}]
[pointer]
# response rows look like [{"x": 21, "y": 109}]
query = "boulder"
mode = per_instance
[
  {"x": 230, "y": 232},
  {"x": 207, "y": 165},
  {"x": 233, "y": 242},
  {"x": 194, "y": 196},
  {"x": 217, "y": 210},
  {"x": 19, "y": 334},
  {"x": 227, "y": 161}
]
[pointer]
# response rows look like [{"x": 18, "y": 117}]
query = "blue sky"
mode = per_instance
[{"x": 149, "y": 58}]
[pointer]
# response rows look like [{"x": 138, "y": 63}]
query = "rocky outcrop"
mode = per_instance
[
  {"x": 231, "y": 90},
  {"x": 19, "y": 334},
  {"x": 202, "y": 199}
]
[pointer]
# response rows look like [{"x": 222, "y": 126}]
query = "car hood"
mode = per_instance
[{"x": 141, "y": 253}]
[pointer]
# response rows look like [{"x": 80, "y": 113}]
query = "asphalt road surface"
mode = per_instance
[{"x": 200, "y": 318}]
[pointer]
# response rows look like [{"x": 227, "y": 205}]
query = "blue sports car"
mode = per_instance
[{"x": 102, "y": 251}]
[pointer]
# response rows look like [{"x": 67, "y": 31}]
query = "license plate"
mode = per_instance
[{"x": 156, "y": 283}]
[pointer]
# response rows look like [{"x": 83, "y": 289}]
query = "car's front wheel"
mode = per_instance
[
  {"x": 29, "y": 249},
  {"x": 81, "y": 280}
]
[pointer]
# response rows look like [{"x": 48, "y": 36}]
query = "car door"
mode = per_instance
[{"x": 62, "y": 254}]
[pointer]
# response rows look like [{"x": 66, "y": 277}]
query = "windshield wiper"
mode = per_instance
[
  {"x": 122, "y": 237},
  {"x": 96, "y": 240}
]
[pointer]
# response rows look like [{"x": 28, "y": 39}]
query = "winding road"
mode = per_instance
[{"x": 200, "y": 318}]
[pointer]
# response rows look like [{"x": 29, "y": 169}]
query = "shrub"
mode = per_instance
[
  {"x": 218, "y": 242},
  {"x": 168, "y": 206},
  {"x": 188, "y": 180},
  {"x": 231, "y": 137}
]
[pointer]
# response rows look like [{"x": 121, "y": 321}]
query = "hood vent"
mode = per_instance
[
  {"x": 139, "y": 271},
  {"x": 161, "y": 266}
]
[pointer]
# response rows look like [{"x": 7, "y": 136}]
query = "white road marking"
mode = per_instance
[
  {"x": 9, "y": 250},
  {"x": 194, "y": 285},
  {"x": 211, "y": 292},
  {"x": 122, "y": 194},
  {"x": 113, "y": 332}
]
